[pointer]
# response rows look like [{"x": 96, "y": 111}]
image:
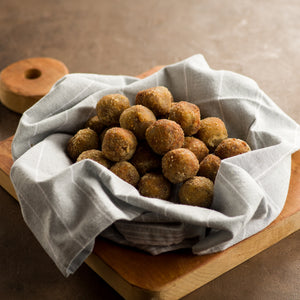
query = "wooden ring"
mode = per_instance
[{"x": 26, "y": 81}]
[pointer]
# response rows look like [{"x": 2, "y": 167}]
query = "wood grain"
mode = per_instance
[
  {"x": 150, "y": 72},
  {"x": 138, "y": 275},
  {"x": 179, "y": 273},
  {"x": 6, "y": 162},
  {"x": 25, "y": 82}
]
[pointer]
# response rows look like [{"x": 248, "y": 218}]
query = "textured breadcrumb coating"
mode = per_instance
[
  {"x": 212, "y": 132},
  {"x": 145, "y": 160},
  {"x": 154, "y": 185},
  {"x": 119, "y": 144},
  {"x": 176, "y": 145},
  {"x": 110, "y": 107},
  {"x": 179, "y": 165},
  {"x": 137, "y": 118},
  {"x": 231, "y": 147},
  {"x": 95, "y": 155},
  {"x": 187, "y": 115},
  {"x": 196, "y": 146},
  {"x": 158, "y": 99},
  {"x": 209, "y": 166},
  {"x": 102, "y": 134},
  {"x": 95, "y": 124},
  {"x": 84, "y": 139},
  {"x": 126, "y": 171},
  {"x": 164, "y": 135},
  {"x": 197, "y": 191}
]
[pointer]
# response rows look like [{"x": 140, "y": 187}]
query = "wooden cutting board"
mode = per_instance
[{"x": 138, "y": 275}]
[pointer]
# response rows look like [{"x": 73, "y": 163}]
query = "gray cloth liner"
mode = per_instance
[{"x": 68, "y": 205}]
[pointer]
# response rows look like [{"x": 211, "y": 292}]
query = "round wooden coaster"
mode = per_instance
[{"x": 26, "y": 81}]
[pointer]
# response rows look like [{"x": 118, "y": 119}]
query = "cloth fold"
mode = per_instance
[{"x": 68, "y": 205}]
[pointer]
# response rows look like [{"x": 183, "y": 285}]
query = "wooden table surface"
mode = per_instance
[{"x": 259, "y": 39}]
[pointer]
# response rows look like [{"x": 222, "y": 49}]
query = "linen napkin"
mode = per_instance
[{"x": 68, "y": 205}]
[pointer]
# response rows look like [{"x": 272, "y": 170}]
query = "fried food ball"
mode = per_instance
[
  {"x": 187, "y": 115},
  {"x": 110, "y": 107},
  {"x": 212, "y": 132},
  {"x": 164, "y": 135},
  {"x": 179, "y": 165},
  {"x": 145, "y": 160},
  {"x": 158, "y": 99},
  {"x": 154, "y": 185},
  {"x": 95, "y": 155},
  {"x": 209, "y": 167},
  {"x": 95, "y": 124},
  {"x": 197, "y": 191},
  {"x": 84, "y": 139},
  {"x": 196, "y": 146},
  {"x": 119, "y": 144},
  {"x": 126, "y": 171},
  {"x": 137, "y": 118},
  {"x": 102, "y": 134},
  {"x": 231, "y": 147}
]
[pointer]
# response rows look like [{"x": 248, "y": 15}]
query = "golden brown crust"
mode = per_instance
[
  {"x": 95, "y": 124},
  {"x": 179, "y": 165},
  {"x": 197, "y": 191},
  {"x": 158, "y": 99},
  {"x": 127, "y": 172},
  {"x": 212, "y": 131},
  {"x": 84, "y": 139},
  {"x": 137, "y": 118},
  {"x": 145, "y": 160},
  {"x": 209, "y": 166},
  {"x": 186, "y": 159},
  {"x": 231, "y": 147},
  {"x": 196, "y": 146},
  {"x": 187, "y": 115},
  {"x": 95, "y": 155},
  {"x": 154, "y": 185},
  {"x": 110, "y": 107},
  {"x": 119, "y": 144},
  {"x": 102, "y": 134},
  {"x": 164, "y": 135}
]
